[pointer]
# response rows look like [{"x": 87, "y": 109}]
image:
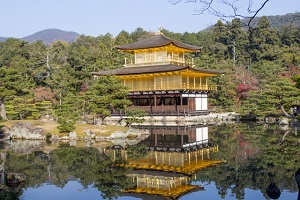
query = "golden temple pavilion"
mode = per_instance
[
  {"x": 162, "y": 80},
  {"x": 158, "y": 170}
]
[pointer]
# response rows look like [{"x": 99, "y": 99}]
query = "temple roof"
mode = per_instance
[
  {"x": 153, "y": 69},
  {"x": 158, "y": 40}
]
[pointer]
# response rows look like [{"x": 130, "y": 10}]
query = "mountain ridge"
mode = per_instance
[{"x": 50, "y": 35}]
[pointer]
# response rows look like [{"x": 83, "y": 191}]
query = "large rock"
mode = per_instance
[
  {"x": 284, "y": 121},
  {"x": 26, "y": 146},
  {"x": 4, "y": 132},
  {"x": 25, "y": 130},
  {"x": 128, "y": 138},
  {"x": 272, "y": 119},
  {"x": 137, "y": 133}
]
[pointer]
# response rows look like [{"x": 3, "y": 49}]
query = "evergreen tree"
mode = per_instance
[
  {"x": 277, "y": 96},
  {"x": 68, "y": 112},
  {"x": 261, "y": 40},
  {"x": 297, "y": 81},
  {"x": 138, "y": 33},
  {"x": 14, "y": 76},
  {"x": 135, "y": 115},
  {"x": 107, "y": 94}
]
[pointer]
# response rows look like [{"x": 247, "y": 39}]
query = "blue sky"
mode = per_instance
[{"x": 20, "y": 18}]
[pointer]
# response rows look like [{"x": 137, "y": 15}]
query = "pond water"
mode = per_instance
[{"x": 229, "y": 161}]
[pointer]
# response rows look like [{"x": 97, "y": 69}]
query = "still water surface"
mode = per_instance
[{"x": 233, "y": 161}]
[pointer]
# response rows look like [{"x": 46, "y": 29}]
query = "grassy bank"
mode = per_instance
[{"x": 51, "y": 127}]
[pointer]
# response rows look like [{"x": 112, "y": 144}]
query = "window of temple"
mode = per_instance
[
  {"x": 185, "y": 101},
  {"x": 161, "y": 56},
  {"x": 140, "y": 58}
]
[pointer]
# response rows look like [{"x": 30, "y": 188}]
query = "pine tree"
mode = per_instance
[{"x": 107, "y": 94}]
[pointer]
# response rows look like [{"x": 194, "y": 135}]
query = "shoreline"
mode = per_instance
[{"x": 210, "y": 119}]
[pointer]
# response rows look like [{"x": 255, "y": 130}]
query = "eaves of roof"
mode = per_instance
[{"x": 153, "y": 69}]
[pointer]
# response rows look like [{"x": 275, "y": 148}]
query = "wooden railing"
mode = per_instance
[
  {"x": 159, "y": 61},
  {"x": 174, "y": 87}
]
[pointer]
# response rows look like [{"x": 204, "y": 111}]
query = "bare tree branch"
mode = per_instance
[
  {"x": 234, "y": 6},
  {"x": 257, "y": 11}
]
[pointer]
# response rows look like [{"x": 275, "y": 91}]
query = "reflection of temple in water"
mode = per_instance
[
  {"x": 172, "y": 158},
  {"x": 179, "y": 138},
  {"x": 166, "y": 184}
]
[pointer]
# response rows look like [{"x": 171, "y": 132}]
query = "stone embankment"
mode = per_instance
[
  {"x": 130, "y": 134},
  {"x": 26, "y": 131},
  {"x": 210, "y": 119}
]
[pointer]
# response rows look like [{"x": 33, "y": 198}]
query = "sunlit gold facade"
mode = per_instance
[
  {"x": 169, "y": 54},
  {"x": 185, "y": 163},
  {"x": 179, "y": 80},
  {"x": 164, "y": 173},
  {"x": 163, "y": 184}
]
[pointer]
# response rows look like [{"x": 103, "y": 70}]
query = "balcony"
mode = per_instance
[
  {"x": 137, "y": 88},
  {"x": 152, "y": 61}
]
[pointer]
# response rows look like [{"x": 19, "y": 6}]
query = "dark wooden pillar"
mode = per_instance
[{"x": 181, "y": 99}]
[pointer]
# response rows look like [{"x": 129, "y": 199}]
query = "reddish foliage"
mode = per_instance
[
  {"x": 84, "y": 87},
  {"x": 246, "y": 81},
  {"x": 246, "y": 149},
  {"x": 44, "y": 94},
  {"x": 290, "y": 71},
  {"x": 244, "y": 88}
]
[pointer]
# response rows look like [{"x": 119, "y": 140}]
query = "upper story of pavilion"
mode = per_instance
[{"x": 158, "y": 50}]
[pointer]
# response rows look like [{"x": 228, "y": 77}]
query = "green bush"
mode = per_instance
[
  {"x": 135, "y": 115},
  {"x": 66, "y": 125},
  {"x": 48, "y": 137}
]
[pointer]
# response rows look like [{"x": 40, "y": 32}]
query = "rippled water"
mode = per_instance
[{"x": 233, "y": 161}]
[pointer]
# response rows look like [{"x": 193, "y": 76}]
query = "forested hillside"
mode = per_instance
[
  {"x": 261, "y": 65},
  {"x": 50, "y": 35},
  {"x": 278, "y": 21}
]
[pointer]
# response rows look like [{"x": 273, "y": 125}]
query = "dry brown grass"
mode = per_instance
[{"x": 51, "y": 127}]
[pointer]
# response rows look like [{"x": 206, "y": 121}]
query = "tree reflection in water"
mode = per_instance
[
  {"x": 11, "y": 193},
  {"x": 87, "y": 165},
  {"x": 254, "y": 154}
]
